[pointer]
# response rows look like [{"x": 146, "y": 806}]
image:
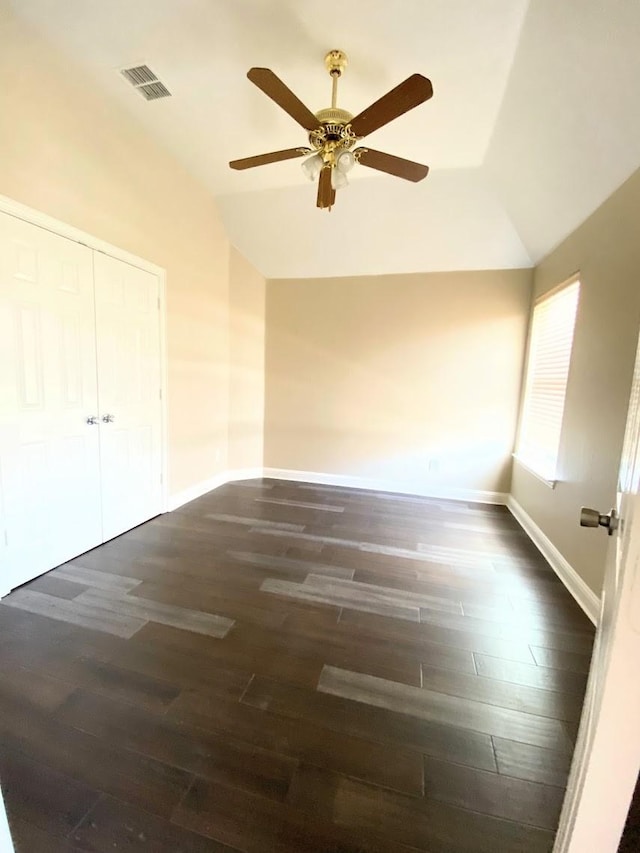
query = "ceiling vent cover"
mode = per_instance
[{"x": 145, "y": 81}]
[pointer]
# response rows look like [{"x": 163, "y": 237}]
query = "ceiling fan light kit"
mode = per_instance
[
  {"x": 333, "y": 132},
  {"x": 313, "y": 166}
]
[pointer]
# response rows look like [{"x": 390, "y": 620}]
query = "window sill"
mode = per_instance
[{"x": 551, "y": 484}]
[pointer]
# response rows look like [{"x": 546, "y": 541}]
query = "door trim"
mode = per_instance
[{"x": 70, "y": 232}]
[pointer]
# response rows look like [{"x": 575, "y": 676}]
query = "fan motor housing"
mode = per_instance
[
  {"x": 334, "y": 131},
  {"x": 334, "y": 115}
]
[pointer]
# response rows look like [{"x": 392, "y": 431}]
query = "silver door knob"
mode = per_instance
[
  {"x": 92, "y": 421},
  {"x": 108, "y": 419},
  {"x": 592, "y": 518}
]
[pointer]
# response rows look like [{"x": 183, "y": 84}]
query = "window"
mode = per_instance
[{"x": 550, "y": 344}]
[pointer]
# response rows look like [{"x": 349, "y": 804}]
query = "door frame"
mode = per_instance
[
  {"x": 70, "y": 232},
  {"x": 606, "y": 760}
]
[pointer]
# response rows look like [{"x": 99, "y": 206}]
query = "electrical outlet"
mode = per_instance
[{"x": 434, "y": 466}]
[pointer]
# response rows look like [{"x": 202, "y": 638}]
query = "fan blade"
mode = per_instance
[
  {"x": 397, "y": 166},
  {"x": 275, "y": 89},
  {"x": 415, "y": 90},
  {"x": 273, "y": 157},
  {"x": 326, "y": 193}
]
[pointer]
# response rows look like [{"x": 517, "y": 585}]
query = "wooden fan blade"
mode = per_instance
[
  {"x": 326, "y": 193},
  {"x": 273, "y": 157},
  {"x": 275, "y": 89},
  {"x": 415, "y": 90},
  {"x": 397, "y": 166}
]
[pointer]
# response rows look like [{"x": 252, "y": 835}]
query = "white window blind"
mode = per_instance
[{"x": 548, "y": 361}]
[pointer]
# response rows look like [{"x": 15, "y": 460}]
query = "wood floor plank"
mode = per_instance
[
  {"x": 52, "y": 585},
  {"x": 147, "y": 610},
  {"x": 284, "y": 502},
  {"x": 221, "y": 600},
  {"x": 276, "y": 652},
  {"x": 558, "y": 659},
  {"x": 320, "y": 539},
  {"x": 427, "y": 824},
  {"x": 387, "y": 644},
  {"x": 443, "y": 708},
  {"x": 550, "y": 637},
  {"x": 159, "y": 648},
  {"x": 372, "y": 723},
  {"x": 397, "y": 597},
  {"x": 524, "y": 802},
  {"x": 153, "y": 658},
  {"x": 29, "y": 838},
  {"x": 77, "y": 663},
  {"x": 341, "y": 598},
  {"x": 97, "y": 580},
  {"x": 395, "y": 767},
  {"x": 23, "y": 624},
  {"x": 41, "y": 796},
  {"x": 457, "y": 556},
  {"x": 255, "y": 825},
  {"x": 230, "y": 762},
  {"x": 448, "y": 585},
  {"x": 304, "y": 567},
  {"x": 529, "y": 700},
  {"x": 37, "y": 689},
  {"x": 88, "y": 614},
  {"x": 255, "y": 522},
  {"x": 92, "y": 762},
  {"x": 261, "y": 485},
  {"x": 566, "y": 619},
  {"x": 115, "y": 825},
  {"x": 439, "y": 635},
  {"x": 544, "y": 678},
  {"x": 531, "y": 762}
]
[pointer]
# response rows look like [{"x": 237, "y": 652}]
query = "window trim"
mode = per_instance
[
  {"x": 523, "y": 464},
  {"x": 543, "y": 297}
]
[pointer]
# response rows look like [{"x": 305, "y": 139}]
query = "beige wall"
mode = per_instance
[
  {"x": 606, "y": 252},
  {"x": 77, "y": 158},
  {"x": 409, "y": 378},
  {"x": 246, "y": 357}
]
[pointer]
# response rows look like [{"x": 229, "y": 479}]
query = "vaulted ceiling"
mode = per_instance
[{"x": 534, "y": 120}]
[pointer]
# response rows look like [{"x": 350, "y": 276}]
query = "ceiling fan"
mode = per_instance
[{"x": 333, "y": 132}]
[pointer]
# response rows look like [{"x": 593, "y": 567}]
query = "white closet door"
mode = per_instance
[
  {"x": 129, "y": 377},
  {"x": 49, "y": 455}
]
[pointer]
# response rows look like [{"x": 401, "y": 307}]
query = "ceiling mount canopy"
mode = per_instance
[{"x": 333, "y": 132}]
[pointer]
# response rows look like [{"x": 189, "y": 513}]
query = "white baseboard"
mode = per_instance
[
  {"x": 201, "y": 488},
  {"x": 196, "y": 491},
  {"x": 583, "y": 594},
  {"x": 244, "y": 474},
  {"x": 471, "y": 495}
]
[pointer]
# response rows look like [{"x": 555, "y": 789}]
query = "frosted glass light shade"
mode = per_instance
[
  {"x": 338, "y": 179},
  {"x": 346, "y": 161},
  {"x": 312, "y": 166}
]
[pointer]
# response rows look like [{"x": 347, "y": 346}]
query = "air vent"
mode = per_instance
[
  {"x": 154, "y": 90},
  {"x": 145, "y": 81}
]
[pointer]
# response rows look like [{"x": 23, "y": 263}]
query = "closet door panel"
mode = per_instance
[
  {"x": 49, "y": 455},
  {"x": 129, "y": 380}
]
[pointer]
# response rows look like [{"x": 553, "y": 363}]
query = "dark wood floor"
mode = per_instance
[
  {"x": 283, "y": 667},
  {"x": 630, "y": 841}
]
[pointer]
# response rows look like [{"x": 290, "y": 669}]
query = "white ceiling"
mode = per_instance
[
  {"x": 568, "y": 133},
  {"x": 534, "y": 119},
  {"x": 452, "y": 221}
]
